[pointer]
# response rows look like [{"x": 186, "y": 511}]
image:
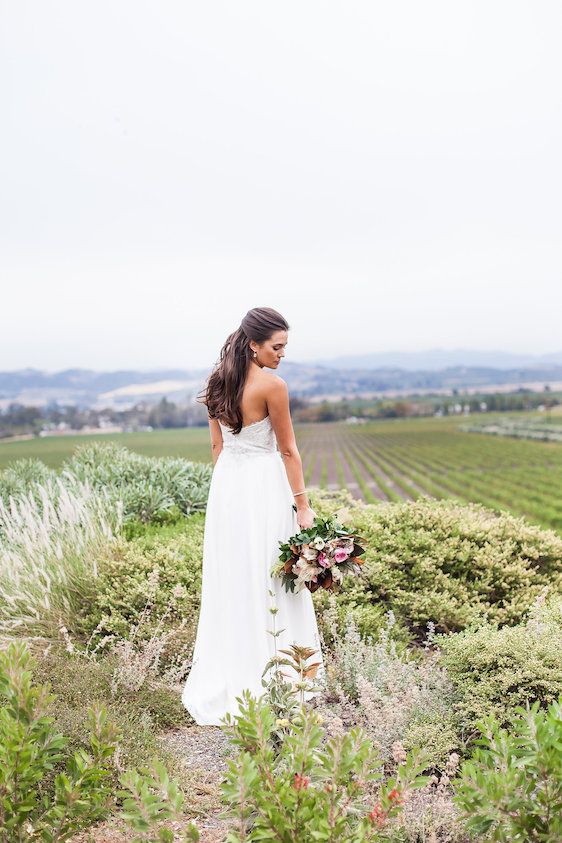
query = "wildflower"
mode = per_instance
[
  {"x": 69, "y": 646},
  {"x": 179, "y": 591},
  {"x": 301, "y": 782},
  {"x": 395, "y": 796},
  {"x": 378, "y": 815},
  {"x": 398, "y": 752},
  {"x": 282, "y": 722}
]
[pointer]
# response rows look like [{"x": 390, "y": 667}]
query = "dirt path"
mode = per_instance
[{"x": 205, "y": 750}]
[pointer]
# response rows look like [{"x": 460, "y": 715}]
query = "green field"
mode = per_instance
[
  {"x": 380, "y": 460},
  {"x": 407, "y": 459},
  {"x": 191, "y": 443}
]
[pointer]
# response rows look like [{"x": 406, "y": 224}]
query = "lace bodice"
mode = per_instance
[{"x": 255, "y": 439}]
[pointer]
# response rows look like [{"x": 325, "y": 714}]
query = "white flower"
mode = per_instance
[
  {"x": 336, "y": 574},
  {"x": 318, "y": 543},
  {"x": 305, "y": 572},
  {"x": 308, "y": 552}
]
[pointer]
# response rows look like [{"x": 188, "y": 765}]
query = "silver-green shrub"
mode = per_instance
[
  {"x": 151, "y": 488},
  {"x": 394, "y": 695},
  {"x": 22, "y": 476}
]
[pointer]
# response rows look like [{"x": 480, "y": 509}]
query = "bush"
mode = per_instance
[
  {"x": 48, "y": 793},
  {"x": 308, "y": 790},
  {"x": 139, "y": 713},
  {"x": 511, "y": 788},
  {"x": 495, "y": 670},
  {"x": 153, "y": 489},
  {"x": 369, "y": 616},
  {"x": 164, "y": 570},
  {"x": 397, "y": 697},
  {"x": 30, "y": 748},
  {"x": 21, "y": 477},
  {"x": 451, "y": 564}
]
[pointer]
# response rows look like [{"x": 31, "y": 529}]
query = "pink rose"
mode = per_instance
[
  {"x": 323, "y": 560},
  {"x": 340, "y": 554}
]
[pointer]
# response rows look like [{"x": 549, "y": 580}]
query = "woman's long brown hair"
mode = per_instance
[{"x": 225, "y": 384}]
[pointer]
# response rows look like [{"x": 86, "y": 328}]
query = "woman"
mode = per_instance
[{"x": 256, "y": 478}]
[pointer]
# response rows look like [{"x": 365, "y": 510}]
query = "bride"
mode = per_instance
[{"x": 257, "y": 476}]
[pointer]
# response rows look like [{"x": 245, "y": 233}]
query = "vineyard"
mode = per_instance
[
  {"x": 401, "y": 459},
  {"x": 409, "y": 459}
]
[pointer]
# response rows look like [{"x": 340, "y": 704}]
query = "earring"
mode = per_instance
[{"x": 255, "y": 353}]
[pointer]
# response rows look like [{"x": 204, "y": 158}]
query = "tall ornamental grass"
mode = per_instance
[{"x": 51, "y": 539}]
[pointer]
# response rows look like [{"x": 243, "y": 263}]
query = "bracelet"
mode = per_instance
[{"x": 299, "y": 493}]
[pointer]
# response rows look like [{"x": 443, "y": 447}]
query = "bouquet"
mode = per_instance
[{"x": 319, "y": 557}]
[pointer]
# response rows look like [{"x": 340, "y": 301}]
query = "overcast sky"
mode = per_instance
[{"x": 387, "y": 175}]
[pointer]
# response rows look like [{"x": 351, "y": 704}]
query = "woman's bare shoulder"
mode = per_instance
[{"x": 272, "y": 382}]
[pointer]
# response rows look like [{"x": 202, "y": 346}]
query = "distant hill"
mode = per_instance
[
  {"x": 125, "y": 388},
  {"x": 439, "y": 359}
]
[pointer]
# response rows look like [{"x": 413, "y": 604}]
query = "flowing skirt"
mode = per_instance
[{"x": 249, "y": 511}]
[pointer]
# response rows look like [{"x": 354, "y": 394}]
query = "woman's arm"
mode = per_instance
[
  {"x": 216, "y": 439},
  {"x": 278, "y": 409}
]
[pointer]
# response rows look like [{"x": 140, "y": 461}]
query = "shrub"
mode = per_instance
[
  {"x": 495, "y": 670},
  {"x": 395, "y": 696},
  {"x": 308, "y": 790},
  {"x": 49, "y": 793},
  {"x": 152, "y": 489},
  {"x": 30, "y": 748},
  {"x": 163, "y": 570},
  {"x": 140, "y": 712},
  {"x": 451, "y": 564},
  {"x": 511, "y": 788},
  {"x": 50, "y": 543},
  {"x": 21, "y": 477},
  {"x": 430, "y": 813},
  {"x": 150, "y": 798}
]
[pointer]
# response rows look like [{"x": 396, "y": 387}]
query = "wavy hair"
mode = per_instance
[{"x": 225, "y": 385}]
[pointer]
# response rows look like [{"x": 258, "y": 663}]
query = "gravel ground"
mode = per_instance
[
  {"x": 201, "y": 748},
  {"x": 205, "y": 749}
]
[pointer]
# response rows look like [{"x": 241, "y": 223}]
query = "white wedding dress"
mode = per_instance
[{"x": 249, "y": 511}]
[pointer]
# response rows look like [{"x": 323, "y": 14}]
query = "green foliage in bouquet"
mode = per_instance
[
  {"x": 511, "y": 788},
  {"x": 319, "y": 556},
  {"x": 309, "y": 788}
]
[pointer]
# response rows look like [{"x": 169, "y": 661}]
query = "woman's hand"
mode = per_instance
[{"x": 305, "y": 517}]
